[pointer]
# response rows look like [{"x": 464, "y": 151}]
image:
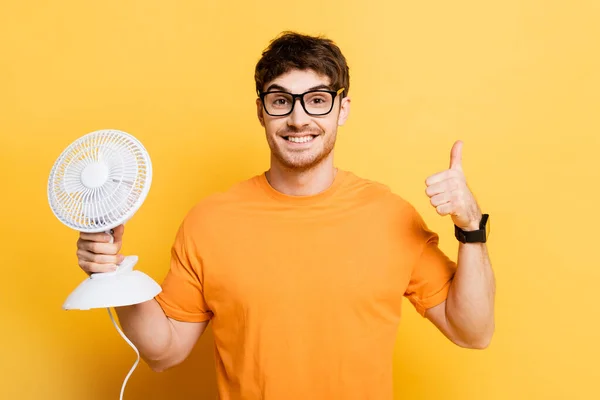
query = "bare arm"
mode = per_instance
[
  {"x": 467, "y": 315},
  {"x": 162, "y": 342}
]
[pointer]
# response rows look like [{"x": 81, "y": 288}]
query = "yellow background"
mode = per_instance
[{"x": 517, "y": 80}]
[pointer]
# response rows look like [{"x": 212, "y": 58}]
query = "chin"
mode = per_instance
[
  {"x": 297, "y": 165},
  {"x": 300, "y": 162}
]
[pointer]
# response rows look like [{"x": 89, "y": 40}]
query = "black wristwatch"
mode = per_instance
[{"x": 478, "y": 236}]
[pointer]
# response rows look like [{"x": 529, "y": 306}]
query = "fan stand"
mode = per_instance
[{"x": 122, "y": 287}]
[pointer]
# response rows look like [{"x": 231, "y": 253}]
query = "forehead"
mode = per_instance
[{"x": 298, "y": 81}]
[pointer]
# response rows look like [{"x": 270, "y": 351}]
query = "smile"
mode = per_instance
[{"x": 299, "y": 139}]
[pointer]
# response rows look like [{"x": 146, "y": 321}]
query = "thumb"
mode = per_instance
[
  {"x": 456, "y": 155},
  {"x": 118, "y": 233}
]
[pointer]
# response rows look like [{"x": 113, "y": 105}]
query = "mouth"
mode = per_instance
[{"x": 300, "y": 139}]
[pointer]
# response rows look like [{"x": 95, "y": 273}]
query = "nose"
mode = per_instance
[{"x": 298, "y": 117}]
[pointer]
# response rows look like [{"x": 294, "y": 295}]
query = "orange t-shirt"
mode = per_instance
[{"x": 304, "y": 293}]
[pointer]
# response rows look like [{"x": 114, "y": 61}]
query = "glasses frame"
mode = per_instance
[{"x": 300, "y": 96}]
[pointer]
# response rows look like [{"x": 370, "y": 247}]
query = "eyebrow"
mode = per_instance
[{"x": 278, "y": 87}]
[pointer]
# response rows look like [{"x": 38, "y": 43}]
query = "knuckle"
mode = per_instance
[
  {"x": 113, "y": 249},
  {"x": 104, "y": 267},
  {"x": 97, "y": 258},
  {"x": 95, "y": 247},
  {"x": 93, "y": 267},
  {"x": 81, "y": 244},
  {"x": 84, "y": 245}
]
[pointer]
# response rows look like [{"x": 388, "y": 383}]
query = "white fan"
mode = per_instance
[{"x": 95, "y": 185}]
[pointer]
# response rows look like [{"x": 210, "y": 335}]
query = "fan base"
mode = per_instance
[{"x": 122, "y": 287}]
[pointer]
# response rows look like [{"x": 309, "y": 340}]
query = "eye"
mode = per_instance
[
  {"x": 318, "y": 100},
  {"x": 279, "y": 101}
]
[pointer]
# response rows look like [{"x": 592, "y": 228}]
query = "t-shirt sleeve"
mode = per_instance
[
  {"x": 432, "y": 270},
  {"x": 182, "y": 296}
]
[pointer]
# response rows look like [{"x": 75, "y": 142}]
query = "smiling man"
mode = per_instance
[{"x": 302, "y": 269}]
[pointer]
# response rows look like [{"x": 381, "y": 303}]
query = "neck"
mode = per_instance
[{"x": 302, "y": 182}]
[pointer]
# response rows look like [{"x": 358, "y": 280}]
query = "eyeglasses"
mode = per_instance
[{"x": 314, "y": 102}]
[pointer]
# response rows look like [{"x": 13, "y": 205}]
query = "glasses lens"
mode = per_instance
[
  {"x": 278, "y": 103},
  {"x": 318, "y": 103}
]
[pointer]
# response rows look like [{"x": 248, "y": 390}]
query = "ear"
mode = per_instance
[
  {"x": 344, "y": 110},
  {"x": 259, "y": 112}
]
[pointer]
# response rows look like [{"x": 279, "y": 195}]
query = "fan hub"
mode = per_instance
[{"x": 94, "y": 175}]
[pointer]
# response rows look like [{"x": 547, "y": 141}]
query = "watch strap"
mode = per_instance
[{"x": 478, "y": 236}]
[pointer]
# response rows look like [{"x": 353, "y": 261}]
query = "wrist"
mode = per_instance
[{"x": 474, "y": 223}]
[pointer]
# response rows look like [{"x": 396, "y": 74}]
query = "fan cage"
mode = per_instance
[{"x": 111, "y": 204}]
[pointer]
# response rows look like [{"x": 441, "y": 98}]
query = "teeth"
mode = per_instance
[{"x": 302, "y": 139}]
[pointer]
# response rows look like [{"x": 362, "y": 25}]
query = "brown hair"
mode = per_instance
[{"x": 292, "y": 50}]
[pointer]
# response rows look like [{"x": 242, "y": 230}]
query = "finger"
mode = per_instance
[
  {"x": 440, "y": 199},
  {"x": 99, "y": 247},
  {"x": 447, "y": 185},
  {"x": 92, "y": 268},
  {"x": 444, "y": 175},
  {"x": 118, "y": 233},
  {"x": 444, "y": 209},
  {"x": 84, "y": 255},
  {"x": 456, "y": 156},
  {"x": 101, "y": 237}
]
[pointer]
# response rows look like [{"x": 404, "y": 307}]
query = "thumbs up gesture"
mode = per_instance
[{"x": 450, "y": 195}]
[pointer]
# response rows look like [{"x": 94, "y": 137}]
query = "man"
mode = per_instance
[{"x": 302, "y": 269}]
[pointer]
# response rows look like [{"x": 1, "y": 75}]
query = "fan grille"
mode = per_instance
[{"x": 99, "y": 181}]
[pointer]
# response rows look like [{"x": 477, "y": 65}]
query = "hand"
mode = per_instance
[
  {"x": 96, "y": 253},
  {"x": 450, "y": 194}
]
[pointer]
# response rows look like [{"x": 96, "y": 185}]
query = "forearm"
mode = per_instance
[
  {"x": 470, "y": 303},
  {"x": 149, "y": 329}
]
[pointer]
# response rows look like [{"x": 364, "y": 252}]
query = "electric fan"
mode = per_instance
[{"x": 96, "y": 184}]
